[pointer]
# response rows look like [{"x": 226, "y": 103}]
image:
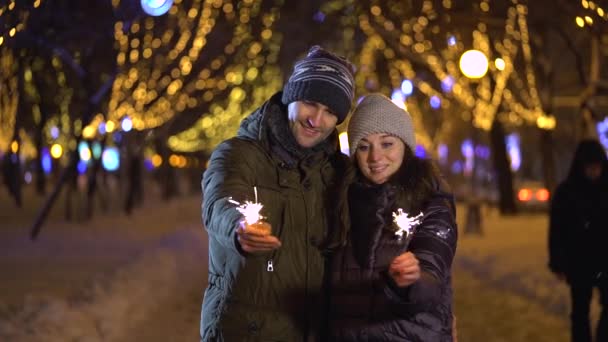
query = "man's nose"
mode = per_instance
[{"x": 314, "y": 120}]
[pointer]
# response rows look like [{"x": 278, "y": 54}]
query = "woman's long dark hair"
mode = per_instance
[{"x": 417, "y": 179}]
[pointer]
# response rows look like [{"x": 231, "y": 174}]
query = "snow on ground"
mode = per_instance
[
  {"x": 119, "y": 278},
  {"x": 515, "y": 297},
  {"x": 97, "y": 281}
]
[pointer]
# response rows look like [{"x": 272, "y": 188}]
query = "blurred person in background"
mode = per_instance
[
  {"x": 381, "y": 290},
  {"x": 578, "y": 237}
]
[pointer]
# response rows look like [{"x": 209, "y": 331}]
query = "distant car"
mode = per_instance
[{"x": 532, "y": 196}]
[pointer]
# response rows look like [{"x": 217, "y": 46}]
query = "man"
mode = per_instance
[
  {"x": 269, "y": 286},
  {"x": 578, "y": 233}
]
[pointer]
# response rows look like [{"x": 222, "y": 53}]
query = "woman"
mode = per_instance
[
  {"x": 578, "y": 232},
  {"x": 381, "y": 289}
]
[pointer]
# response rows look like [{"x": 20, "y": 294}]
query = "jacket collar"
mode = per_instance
[{"x": 269, "y": 126}]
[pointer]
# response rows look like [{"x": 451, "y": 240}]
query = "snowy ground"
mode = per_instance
[
  {"x": 104, "y": 280},
  {"x": 138, "y": 278}
]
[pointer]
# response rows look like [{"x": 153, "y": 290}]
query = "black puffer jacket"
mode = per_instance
[
  {"x": 578, "y": 229},
  {"x": 366, "y": 305}
]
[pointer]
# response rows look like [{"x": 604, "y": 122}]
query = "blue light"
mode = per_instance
[
  {"x": 117, "y": 137},
  {"x": 156, "y": 7},
  {"x": 512, "y": 141},
  {"x": 47, "y": 161},
  {"x": 148, "y": 164},
  {"x": 27, "y": 177},
  {"x": 96, "y": 149},
  {"x": 82, "y": 167},
  {"x": 467, "y": 148},
  {"x": 319, "y": 17},
  {"x": 451, "y": 40},
  {"x": 442, "y": 153},
  {"x": 407, "y": 87},
  {"x": 457, "y": 167},
  {"x": 54, "y": 132},
  {"x": 126, "y": 124},
  {"x": 110, "y": 159},
  {"x": 397, "y": 95},
  {"x": 102, "y": 128},
  {"x": 482, "y": 152},
  {"x": 602, "y": 132},
  {"x": 83, "y": 151},
  {"x": 447, "y": 84},
  {"x": 435, "y": 102},
  {"x": 420, "y": 151},
  {"x": 398, "y": 98}
]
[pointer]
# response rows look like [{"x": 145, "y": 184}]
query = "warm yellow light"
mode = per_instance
[
  {"x": 110, "y": 126},
  {"x": 56, "y": 151},
  {"x": 157, "y": 160},
  {"x": 580, "y": 22},
  {"x": 500, "y": 64},
  {"x": 588, "y": 20},
  {"x": 14, "y": 146},
  {"x": 473, "y": 64},
  {"x": 546, "y": 122},
  {"x": 88, "y": 132}
]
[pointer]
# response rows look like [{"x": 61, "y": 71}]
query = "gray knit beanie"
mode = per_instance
[
  {"x": 324, "y": 78},
  {"x": 376, "y": 113}
]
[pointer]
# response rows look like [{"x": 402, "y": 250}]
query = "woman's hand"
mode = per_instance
[{"x": 405, "y": 269}]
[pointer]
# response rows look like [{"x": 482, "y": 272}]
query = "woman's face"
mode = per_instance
[{"x": 379, "y": 156}]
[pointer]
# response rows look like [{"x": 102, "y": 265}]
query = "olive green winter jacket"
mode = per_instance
[{"x": 247, "y": 299}]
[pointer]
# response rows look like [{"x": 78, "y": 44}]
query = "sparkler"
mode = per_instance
[
  {"x": 406, "y": 225},
  {"x": 250, "y": 210}
]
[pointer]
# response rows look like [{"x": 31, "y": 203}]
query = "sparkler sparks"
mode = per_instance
[
  {"x": 250, "y": 210},
  {"x": 406, "y": 224}
]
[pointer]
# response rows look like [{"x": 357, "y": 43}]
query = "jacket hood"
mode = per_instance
[{"x": 587, "y": 152}]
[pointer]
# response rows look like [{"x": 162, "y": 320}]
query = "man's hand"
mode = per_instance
[
  {"x": 257, "y": 238},
  {"x": 405, "y": 269}
]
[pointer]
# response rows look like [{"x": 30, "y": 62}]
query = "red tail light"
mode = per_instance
[
  {"x": 524, "y": 195},
  {"x": 542, "y": 195}
]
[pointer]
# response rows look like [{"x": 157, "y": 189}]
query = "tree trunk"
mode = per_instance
[
  {"x": 502, "y": 168},
  {"x": 473, "y": 222},
  {"x": 135, "y": 186},
  {"x": 12, "y": 176},
  {"x": 548, "y": 162},
  {"x": 40, "y": 176}
]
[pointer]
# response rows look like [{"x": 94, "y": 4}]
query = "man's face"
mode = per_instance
[{"x": 310, "y": 122}]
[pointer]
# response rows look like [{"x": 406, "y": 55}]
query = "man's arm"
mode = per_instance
[
  {"x": 228, "y": 176},
  {"x": 231, "y": 176}
]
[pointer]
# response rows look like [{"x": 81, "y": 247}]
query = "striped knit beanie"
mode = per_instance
[
  {"x": 376, "y": 113},
  {"x": 324, "y": 78}
]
